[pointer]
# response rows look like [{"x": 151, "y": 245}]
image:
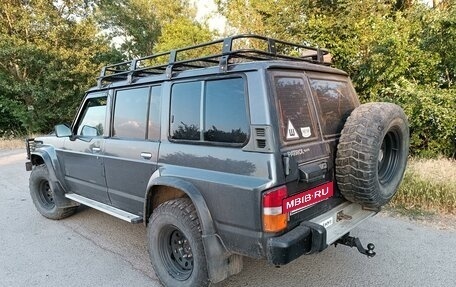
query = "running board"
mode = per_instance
[{"x": 130, "y": 217}]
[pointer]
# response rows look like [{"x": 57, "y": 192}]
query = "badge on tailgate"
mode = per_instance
[{"x": 307, "y": 198}]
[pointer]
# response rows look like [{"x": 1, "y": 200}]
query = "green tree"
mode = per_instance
[
  {"x": 133, "y": 24},
  {"x": 49, "y": 55},
  {"x": 439, "y": 36},
  {"x": 143, "y": 27},
  {"x": 390, "y": 48},
  {"x": 182, "y": 32}
]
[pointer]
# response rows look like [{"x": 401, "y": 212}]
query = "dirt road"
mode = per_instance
[{"x": 95, "y": 249}]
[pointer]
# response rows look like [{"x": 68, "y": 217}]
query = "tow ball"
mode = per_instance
[{"x": 350, "y": 241}]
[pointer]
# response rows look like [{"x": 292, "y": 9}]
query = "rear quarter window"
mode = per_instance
[{"x": 210, "y": 111}]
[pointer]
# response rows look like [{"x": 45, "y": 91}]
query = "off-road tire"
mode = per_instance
[
  {"x": 173, "y": 222},
  {"x": 372, "y": 154},
  {"x": 43, "y": 195}
]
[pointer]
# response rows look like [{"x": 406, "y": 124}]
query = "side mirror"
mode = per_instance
[
  {"x": 62, "y": 131},
  {"x": 89, "y": 131}
]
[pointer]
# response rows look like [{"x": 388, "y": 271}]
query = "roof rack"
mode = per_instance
[{"x": 222, "y": 52}]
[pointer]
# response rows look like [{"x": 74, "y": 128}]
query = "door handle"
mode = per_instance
[
  {"x": 96, "y": 149},
  {"x": 146, "y": 155},
  {"x": 313, "y": 172}
]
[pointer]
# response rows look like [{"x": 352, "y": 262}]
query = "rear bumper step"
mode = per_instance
[
  {"x": 341, "y": 219},
  {"x": 317, "y": 234},
  {"x": 130, "y": 217}
]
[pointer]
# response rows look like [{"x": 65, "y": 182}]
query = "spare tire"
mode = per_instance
[{"x": 372, "y": 154}]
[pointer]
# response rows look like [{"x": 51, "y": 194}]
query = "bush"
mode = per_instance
[
  {"x": 431, "y": 114},
  {"x": 10, "y": 123}
]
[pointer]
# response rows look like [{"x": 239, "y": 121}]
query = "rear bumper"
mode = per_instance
[{"x": 315, "y": 235}]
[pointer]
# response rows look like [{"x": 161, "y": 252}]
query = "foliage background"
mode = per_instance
[{"x": 399, "y": 51}]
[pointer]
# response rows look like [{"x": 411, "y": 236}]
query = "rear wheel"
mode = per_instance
[
  {"x": 175, "y": 244},
  {"x": 43, "y": 195},
  {"x": 372, "y": 154}
]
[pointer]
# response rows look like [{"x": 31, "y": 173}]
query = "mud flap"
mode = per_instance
[{"x": 220, "y": 263}]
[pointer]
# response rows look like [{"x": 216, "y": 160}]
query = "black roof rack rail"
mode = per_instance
[{"x": 222, "y": 52}]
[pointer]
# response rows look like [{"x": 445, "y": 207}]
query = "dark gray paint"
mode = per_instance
[
  {"x": 84, "y": 169},
  {"x": 127, "y": 172},
  {"x": 228, "y": 181}
]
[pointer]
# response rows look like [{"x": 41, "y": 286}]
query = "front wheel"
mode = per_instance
[
  {"x": 175, "y": 244},
  {"x": 43, "y": 195}
]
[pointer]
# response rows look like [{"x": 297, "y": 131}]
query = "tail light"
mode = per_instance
[{"x": 273, "y": 218}]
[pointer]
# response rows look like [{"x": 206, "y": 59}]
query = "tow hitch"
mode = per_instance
[{"x": 350, "y": 241}]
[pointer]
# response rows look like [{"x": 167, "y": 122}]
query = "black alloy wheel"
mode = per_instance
[
  {"x": 176, "y": 246},
  {"x": 45, "y": 195},
  {"x": 176, "y": 253}
]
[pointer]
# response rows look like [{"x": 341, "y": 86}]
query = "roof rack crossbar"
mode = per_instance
[{"x": 179, "y": 59}]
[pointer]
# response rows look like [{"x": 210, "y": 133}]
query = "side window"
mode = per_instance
[
  {"x": 336, "y": 104},
  {"x": 209, "y": 111},
  {"x": 294, "y": 109},
  {"x": 185, "y": 111},
  {"x": 92, "y": 122},
  {"x": 154, "y": 113},
  {"x": 225, "y": 111},
  {"x": 130, "y": 113}
]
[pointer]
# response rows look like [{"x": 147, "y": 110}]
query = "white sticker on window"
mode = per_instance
[
  {"x": 292, "y": 134},
  {"x": 306, "y": 132}
]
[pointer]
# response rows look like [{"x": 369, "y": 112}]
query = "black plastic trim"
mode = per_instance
[
  {"x": 318, "y": 236},
  {"x": 306, "y": 238}
]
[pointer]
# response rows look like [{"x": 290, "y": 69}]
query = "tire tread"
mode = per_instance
[
  {"x": 185, "y": 212},
  {"x": 38, "y": 173},
  {"x": 357, "y": 152}
]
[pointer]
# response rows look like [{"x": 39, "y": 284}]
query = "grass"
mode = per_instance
[
  {"x": 8, "y": 144},
  {"x": 429, "y": 186}
]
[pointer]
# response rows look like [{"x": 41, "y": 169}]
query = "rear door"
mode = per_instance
[
  {"x": 311, "y": 109},
  {"x": 131, "y": 151}
]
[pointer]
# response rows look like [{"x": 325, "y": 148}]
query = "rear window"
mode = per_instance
[
  {"x": 294, "y": 108},
  {"x": 185, "y": 111},
  {"x": 335, "y": 103},
  {"x": 130, "y": 113}
]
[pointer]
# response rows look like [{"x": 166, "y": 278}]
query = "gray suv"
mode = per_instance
[{"x": 244, "y": 146}]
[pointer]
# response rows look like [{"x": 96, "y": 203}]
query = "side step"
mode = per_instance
[{"x": 130, "y": 217}]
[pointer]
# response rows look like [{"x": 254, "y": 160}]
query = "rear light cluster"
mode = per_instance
[{"x": 273, "y": 218}]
